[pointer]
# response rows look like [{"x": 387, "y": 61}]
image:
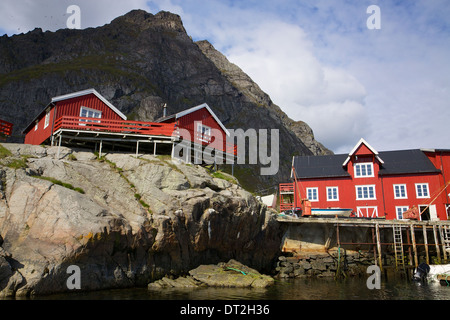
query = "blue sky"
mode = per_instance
[{"x": 316, "y": 59}]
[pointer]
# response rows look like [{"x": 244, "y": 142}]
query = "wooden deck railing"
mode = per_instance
[
  {"x": 5, "y": 127},
  {"x": 115, "y": 126},
  {"x": 126, "y": 127}
]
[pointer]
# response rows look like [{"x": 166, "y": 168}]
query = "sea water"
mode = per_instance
[{"x": 294, "y": 289}]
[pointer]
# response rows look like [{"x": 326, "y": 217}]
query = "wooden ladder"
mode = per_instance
[
  {"x": 445, "y": 236},
  {"x": 398, "y": 246}
]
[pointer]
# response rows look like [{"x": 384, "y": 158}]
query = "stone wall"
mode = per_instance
[{"x": 332, "y": 264}]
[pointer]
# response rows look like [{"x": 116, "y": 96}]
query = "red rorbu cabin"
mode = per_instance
[
  {"x": 5, "y": 129},
  {"x": 86, "y": 118},
  {"x": 374, "y": 184}
]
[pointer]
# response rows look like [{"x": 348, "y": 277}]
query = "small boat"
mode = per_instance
[{"x": 342, "y": 212}]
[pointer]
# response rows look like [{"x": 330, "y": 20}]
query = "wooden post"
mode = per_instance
[
  {"x": 436, "y": 242},
  {"x": 377, "y": 230},
  {"x": 374, "y": 247},
  {"x": 444, "y": 252},
  {"x": 425, "y": 241},
  {"x": 408, "y": 238},
  {"x": 100, "y": 150},
  {"x": 154, "y": 149},
  {"x": 59, "y": 146},
  {"x": 413, "y": 238},
  {"x": 137, "y": 148}
]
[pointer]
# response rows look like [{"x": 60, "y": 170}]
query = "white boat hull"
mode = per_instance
[{"x": 331, "y": 212}]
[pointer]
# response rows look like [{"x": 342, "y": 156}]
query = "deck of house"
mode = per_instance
[{"x": 139, "y": 136}]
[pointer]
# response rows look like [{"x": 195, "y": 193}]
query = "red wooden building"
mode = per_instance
[
  {"x": 86, "y": 118},
  {"x": 374, "y": 184}
]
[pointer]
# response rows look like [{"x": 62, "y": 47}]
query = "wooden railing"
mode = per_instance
[
  {"x": 115, "y": 126},
  {"x": 5, "y": 128}
]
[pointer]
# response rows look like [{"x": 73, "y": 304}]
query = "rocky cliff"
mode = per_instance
[
  {"x": 139, "y": 62},
  {"x": 124, "y": 221}
]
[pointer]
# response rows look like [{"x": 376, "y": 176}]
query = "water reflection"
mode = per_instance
[{"x": 298, "y": 289}]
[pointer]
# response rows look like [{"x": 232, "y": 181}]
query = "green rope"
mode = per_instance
[{"x": 237, "y": 270}]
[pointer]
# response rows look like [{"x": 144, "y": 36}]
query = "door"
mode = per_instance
[{"x": 367, "y": 212}]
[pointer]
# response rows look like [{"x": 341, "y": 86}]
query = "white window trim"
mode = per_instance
[
  {"x": 337, "y": 194},
  {"x": 428, "y": 190},
  {"x": 406, "y": 191},
  {"x": 317, "y": 193},
  {"x": 200, "y": 135},
  {"x": 89, "y": 109},
  {"x": 36, "y": 125},
  {"x": 360, "y": 164},
  {"x": 405, "y": 208},
  {"x": 47, "y": 119},
  {"x": 368, "y": 186},
  {"x": 360, "y": 213}
]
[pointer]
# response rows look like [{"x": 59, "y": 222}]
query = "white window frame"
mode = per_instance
[
  {"x": 203, "y": 132},
  {"x": 94, "y": 111},
  {"x": 328, "y": 193},
  {"x": 398, "y": 213},
  {"x": 360, "y": 166},
  {"x": 311, "y": 191},
  {"x": 47, "y": 119},
  {"x": 421, "y": 185},
  {"x": 400, "y": 186},
  {"x": 36, "y": 125},
  {"x": 368, "y": 186}
]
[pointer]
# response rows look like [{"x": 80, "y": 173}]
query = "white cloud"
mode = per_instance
[{"x": 21, "y": 16}]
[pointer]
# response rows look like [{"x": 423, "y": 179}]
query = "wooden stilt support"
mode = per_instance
[
  {"x": 441, "y": 232},
  {"x": 59, "y": 146},
  {"x": 100, "y": 150},
  {"x": 137, "y": 148},
  {"x": 425, "y": 241},
  {"x": 413, "y": 238},
  {"x": 436, "y": 242},
  {"x": 377, "y": 232}
]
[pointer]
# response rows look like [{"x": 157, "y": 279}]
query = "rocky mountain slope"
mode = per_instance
[
  {"x": 124, "y": 221},
  {"x": 139, "y": 62}
]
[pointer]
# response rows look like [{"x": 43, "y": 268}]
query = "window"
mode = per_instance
[
  {"x": 312, "y": 194},
  {"x": 422, "y": 190},
  {"x": 89, "y": 113},
  {"x": 47, "y": 119},
  {"x": 36, "y": 125},
  {"x": 365, "y": 192},
  {"x": 400, "y": 191},
  {"x": 203, "y": 133},
  {"x": 363, "y": 170},
  {"x": 332, "y": 194},
  {"x": 399, "y": 211}
]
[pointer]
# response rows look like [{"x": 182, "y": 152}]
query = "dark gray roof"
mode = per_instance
[
  {"x": 406, "y": 161},
  {"x": 395, "y": 162},
  {"x": 320, "y": 166}
]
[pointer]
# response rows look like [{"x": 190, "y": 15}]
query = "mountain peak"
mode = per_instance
[{"x": 145, "y": 20}]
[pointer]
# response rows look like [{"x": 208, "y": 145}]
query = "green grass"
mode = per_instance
[
  {"x": 60, "y": 183},
  {"x": 4, "y": 152}
]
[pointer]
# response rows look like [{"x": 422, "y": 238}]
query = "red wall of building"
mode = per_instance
[
  {"x": 384, "y": 191},
  {"x": 69, "y": 107},
  {"x": 202, "y": 115}
]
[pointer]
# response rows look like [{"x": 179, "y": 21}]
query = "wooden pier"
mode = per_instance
[{"x": 411, "y": 240}]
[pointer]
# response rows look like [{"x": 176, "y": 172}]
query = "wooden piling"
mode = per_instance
[
  {"x": 436, "y": 243},
  {"x": 425, "y": 241},
  {"x": 377, "y": 231},
  {"x": 413, "y": 238}
]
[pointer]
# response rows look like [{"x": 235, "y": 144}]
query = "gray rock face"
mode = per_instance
[
  {"x": 140, "y": 62},
  {"x": 124, "y": 221}
]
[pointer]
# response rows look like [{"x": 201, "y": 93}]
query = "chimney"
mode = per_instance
[{"x": 165, "y": 110}]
